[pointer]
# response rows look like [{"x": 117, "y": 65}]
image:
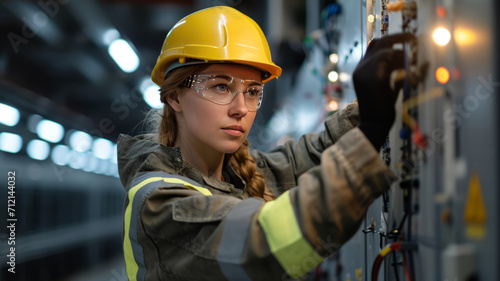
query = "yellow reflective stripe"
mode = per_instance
[
  {"x": 130, "y": 262},
  {"x": 203, "y": 190},
  {"x": 131, "y": 265},
  {"x": 285, "y": 239}
]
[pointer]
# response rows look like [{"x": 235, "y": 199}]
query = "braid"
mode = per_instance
[
  {"x": 244, "y": 164},
  {"x": 168, "y": 127}
]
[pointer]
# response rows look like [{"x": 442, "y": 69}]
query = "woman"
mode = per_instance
[{"x": 200, "y": 206}]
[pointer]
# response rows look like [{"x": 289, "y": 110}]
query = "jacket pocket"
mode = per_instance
[{"x": 201, "y": 209}]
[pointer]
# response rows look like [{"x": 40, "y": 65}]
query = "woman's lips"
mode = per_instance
[{"x": 234, "y": 130}]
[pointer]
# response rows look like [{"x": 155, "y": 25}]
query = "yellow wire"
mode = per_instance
[
  {"x": 385, "y": 251},
  {"x": 417, "y": 100}
]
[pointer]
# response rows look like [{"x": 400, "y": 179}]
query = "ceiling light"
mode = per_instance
[
  {"x": 10, "y": 142},
  {"x": 151, "y": 93},
  {"x": 123, "y": 55},
  {"x": 33, "y": 121},
  {"x": 110, "y": 35},
  {"x": 80, "y": 141},
  {"x": 9, "y": 115},
  {"x": 152, "y": 97},
  {"x": 38, "y": 149},
  {"x": 60, "y": 155},
  {"x": 102, "y": 148},
  {"x": 91, "y": 163},
  {"x": 114, "y": 157},
  {"x": 50, "y": 131},
  {"x": 77, "y": 159}
]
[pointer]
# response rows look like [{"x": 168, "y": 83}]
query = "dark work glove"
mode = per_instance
[{"x": 371, "y": 80}]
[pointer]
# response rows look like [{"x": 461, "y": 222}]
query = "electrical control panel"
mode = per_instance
[{"x": 439, "y": 220}]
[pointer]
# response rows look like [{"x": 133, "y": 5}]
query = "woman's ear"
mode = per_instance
[{"x": 173, "y": 101}]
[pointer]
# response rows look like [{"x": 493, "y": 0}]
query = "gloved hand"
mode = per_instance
[{"x": 371, "y": 80}]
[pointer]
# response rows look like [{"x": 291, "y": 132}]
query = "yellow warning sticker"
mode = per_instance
[
  {"x": 359, "y": 274},
  {"x": 475, "y": 214}
]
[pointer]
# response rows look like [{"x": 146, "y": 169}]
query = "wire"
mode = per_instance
[
  {"x": 394, "y": 234},
  {"x": 408, "y": 235},
  {"x": 380, "y": 258},
  {"x": 417, "y": 100},
  {"x": 395, "y": 266},
  {"x": 396, "y": 246},
  {"x": 405, "y": 265}
]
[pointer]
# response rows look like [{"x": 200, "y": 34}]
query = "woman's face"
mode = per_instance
[{"x": 207, "y": 125}]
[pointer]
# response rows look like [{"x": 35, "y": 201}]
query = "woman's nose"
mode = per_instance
[{"x": 238, "y": 106}]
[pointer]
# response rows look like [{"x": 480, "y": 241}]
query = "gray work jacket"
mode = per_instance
[{"x": 180, "y": 224}]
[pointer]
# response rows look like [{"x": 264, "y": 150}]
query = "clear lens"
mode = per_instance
[{"x": 222, "y": 89}]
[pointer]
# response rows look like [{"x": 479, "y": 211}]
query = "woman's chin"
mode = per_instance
[{"x": 230, "y": 149}]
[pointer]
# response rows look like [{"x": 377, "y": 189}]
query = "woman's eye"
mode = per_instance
[
  {"x": 221, "y": 87},
  {"x": 254, "y": 92}
]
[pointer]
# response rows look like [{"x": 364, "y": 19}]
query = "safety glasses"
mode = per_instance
[{"x": 222, "y": 89}]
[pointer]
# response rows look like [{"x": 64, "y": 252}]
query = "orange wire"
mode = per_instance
[{"x": 405, "y": 265}]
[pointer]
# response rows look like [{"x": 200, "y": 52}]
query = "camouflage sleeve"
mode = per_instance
[{"x": 282, "y": 166}]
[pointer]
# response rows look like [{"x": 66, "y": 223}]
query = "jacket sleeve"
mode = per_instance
[
  {"x": 282, "y": 166},
  {"x": 177, "y": 233}
]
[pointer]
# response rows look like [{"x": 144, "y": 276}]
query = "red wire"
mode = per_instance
[
  {"x": 376, "y": 267},
  {"x": 396, "y": 246},
  {"x": 405, "y": 265}
]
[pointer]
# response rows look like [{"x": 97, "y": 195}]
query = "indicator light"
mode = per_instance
[
  {"x": 333, "y": 76},
  {"x": 441, "y": 36},
  {"x": 441, "y": 11},
  {"x": 442, "y": 75},
  {"x": 333, "y": 105},
  {"x": 334, "y": 58}
]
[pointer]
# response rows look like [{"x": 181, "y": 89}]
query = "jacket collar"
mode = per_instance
[{"x": 143, "y": 153}]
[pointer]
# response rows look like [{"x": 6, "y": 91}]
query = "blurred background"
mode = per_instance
[{"x": 75, "y": 74}]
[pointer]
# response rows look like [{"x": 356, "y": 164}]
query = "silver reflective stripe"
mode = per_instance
[{"x": 234, "y": 237}]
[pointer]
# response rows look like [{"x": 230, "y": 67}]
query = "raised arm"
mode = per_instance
[{"x": 282, "y": 166}]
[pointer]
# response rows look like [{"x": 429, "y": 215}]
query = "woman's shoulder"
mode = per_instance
[{"x": 143, "y": 153}]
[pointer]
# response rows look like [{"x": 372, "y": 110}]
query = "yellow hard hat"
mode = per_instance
[{"x": 215, "y": 35}]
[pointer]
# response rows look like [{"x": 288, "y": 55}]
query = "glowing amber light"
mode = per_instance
[
  {"x": 441, "y": 36},
  {"x": 333, "y": 105},
  {"x": 442, "y": 75},
  {"x": 464, "y": 36}
]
